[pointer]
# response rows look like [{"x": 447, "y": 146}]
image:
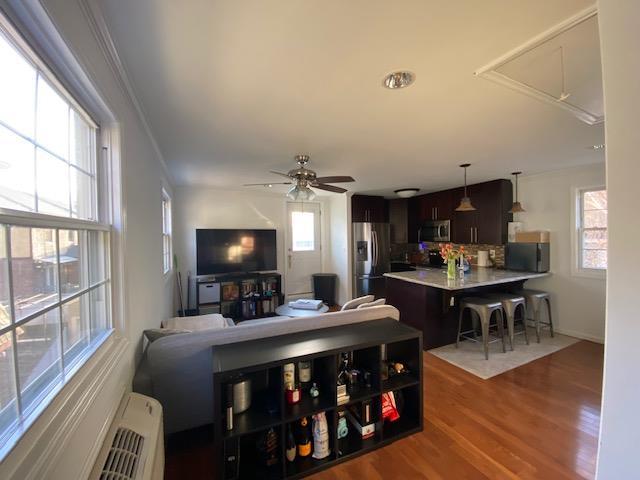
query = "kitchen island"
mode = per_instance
[{"x": 428, "y": 300}]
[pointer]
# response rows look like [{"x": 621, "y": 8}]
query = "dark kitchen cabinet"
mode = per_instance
[
  {"x": 488, "y": 224},
  {"x": 398, "y": 219},
  {"x": 369, "y": 208},
  {"x": 436, "y": 206}
]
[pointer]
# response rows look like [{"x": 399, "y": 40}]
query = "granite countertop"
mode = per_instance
[{"x": 477, "y": 277}]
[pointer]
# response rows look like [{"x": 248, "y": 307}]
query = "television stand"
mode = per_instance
[{"x": 240, "y": 296}]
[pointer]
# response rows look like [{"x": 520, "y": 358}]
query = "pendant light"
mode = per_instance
[
  {"x": 516, "y": 207},
  {"x": 465, "y": 202}
]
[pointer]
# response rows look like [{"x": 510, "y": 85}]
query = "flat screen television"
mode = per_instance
[{"x": 235, "y": 250}]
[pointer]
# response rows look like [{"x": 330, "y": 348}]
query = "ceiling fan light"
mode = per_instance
[
  {"x": 406, "y": 192},
  {"x": 301, "y": 194},
  {"x": 465, "y": 205}
]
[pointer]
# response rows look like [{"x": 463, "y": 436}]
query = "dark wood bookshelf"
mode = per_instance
[
  {"x": 263, "y": 360},
  {"x": 251, "y": 290}
]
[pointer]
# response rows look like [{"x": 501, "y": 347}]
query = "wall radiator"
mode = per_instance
[{"x": 134, "y": 446}]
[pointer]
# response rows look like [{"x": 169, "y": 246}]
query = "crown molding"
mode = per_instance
[{"x": 101, "y": 33}]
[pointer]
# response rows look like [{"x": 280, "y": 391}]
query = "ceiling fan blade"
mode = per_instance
[
  {"x": 280, "y": 173},
  {"x": 329, "y": 188},
  {"x": 265, "y": 184},
  {"x": 338, "y": 179}
]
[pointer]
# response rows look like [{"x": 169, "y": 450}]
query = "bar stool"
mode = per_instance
[
  {"x": 510, "y": 304},
  {"x": 484, "y": 309},
  {"x": 534, "y": 301}
]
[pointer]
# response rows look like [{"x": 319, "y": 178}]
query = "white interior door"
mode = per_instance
[{"x": 304, "y": 251}]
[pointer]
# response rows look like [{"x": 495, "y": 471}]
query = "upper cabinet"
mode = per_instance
[
  {"x": 436, "y": 206},
  {"x": 369, "y": 208},
  {"x": 398, "y": 219},
  {"x": 488, "y": 223}
]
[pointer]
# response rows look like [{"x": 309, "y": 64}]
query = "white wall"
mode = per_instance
[
  {"x": 63, "y": 442},
  {"x": 197, "y": 207},
  {"x": 620, "y": 426},
  {"x": 340, "y": 259},
  {"x": 549, "y": 201}
]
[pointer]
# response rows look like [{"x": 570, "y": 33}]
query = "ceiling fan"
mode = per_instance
[{"x": 302, "y": 178}]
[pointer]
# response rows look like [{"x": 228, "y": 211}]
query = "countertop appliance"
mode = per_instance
[
  {"x": 435, "y": 259},
  {"x": 529, "y": 257},
  {"x": 435, "y": 231},
  {"x": 371, "y": 258},
  {"x": 483, "y": 258}
]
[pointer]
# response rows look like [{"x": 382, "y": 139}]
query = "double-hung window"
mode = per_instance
[
  {"x": 592, "y": 230},
  {"x": 54, "y": 237},
  {"x": 166, "y": 232}
]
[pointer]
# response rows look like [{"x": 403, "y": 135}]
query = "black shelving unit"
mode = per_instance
[
  {"x": 263, "y": 361},
  {"x": 243, "y": 296}
]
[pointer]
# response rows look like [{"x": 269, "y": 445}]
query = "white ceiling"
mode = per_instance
[{"x": 233, "y": 89}]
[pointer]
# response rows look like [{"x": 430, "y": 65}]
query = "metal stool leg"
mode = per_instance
[
  {"x": 484, "y": 323},
  {"x": 510, "y": 327},
  {"x": 459, "y": 326},
  {"x": 500, "y": 321},
  {"x": 536, "y": 316},
  {"x": 550, "y": 320},
  {"x": 524, "y": 322}
]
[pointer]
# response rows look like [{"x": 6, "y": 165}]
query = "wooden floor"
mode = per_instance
[{"x": 539, "y": 421}]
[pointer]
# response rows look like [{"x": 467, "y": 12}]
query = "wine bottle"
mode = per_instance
[
  {"x": 304, "y": 439},
  {"x": 290, "y": 445}
]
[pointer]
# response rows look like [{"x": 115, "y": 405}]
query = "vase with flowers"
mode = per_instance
[{"x": 451, "y": 255}]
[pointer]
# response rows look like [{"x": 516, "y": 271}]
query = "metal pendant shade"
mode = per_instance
[
  {"x": 517, "y": 206},
  {"x": 465, "y": 202}
]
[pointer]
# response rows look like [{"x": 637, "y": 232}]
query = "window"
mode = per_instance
[
  {"x": 302, "y": 231},
  {"x": 166, "y": 231},
  {"x": 592, "y": 229},
  {"x": 54, "y": 241}
]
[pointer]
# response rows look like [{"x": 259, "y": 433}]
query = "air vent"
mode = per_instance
[{"x": 124, "y": 456}]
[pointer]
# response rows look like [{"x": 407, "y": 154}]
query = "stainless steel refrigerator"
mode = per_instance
[{"x": 371, "y": 252}]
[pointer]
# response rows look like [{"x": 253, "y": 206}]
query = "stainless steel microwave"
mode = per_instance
[{"x": 435, "y": 231}]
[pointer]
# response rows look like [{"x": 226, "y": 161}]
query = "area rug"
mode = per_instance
[{"x": 470, "y": 355}]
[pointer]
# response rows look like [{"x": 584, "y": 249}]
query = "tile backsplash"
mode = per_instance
[{"x": 411, "y": 251}]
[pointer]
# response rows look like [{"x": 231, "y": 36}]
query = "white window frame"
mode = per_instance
[
  {"x": 167, "y": 236},
  {"x": 106, "y": 205},
  {"x": 577, "y": 216}
]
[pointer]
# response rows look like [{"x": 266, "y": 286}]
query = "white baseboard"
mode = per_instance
[{"x": 580, "y": 335}]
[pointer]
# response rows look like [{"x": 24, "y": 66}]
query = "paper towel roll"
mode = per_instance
[{"x": 483, "y": 258}]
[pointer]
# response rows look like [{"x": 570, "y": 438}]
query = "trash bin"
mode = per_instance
[{"x": 324, "y": 287}]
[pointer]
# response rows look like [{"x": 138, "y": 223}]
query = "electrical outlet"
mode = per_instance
[{"x": 492, "y": 254}]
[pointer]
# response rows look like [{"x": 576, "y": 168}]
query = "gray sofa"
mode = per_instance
[{"x": 176, "y": 369}]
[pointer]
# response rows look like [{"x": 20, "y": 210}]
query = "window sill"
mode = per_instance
[
  {"x": 82, "y": 380},
  {"x": 589, "y": 273}
]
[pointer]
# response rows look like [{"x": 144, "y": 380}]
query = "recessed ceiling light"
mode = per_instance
[
  {"x": 406, "y": 192},
  {"x": 398, "y": 80},
  {"x": 599, "y": 146}
]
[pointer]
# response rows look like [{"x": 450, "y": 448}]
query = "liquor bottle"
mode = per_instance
[
  {"x": 290, "y": 445},
  {"x": 304, "y": 439},
  {"x": 344, "y": 379}
]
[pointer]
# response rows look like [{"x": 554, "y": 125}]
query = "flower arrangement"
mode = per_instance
[
  {"x": 448, "y": 252},
  {"x": 450, "y": 255}
]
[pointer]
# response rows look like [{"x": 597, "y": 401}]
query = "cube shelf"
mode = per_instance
[{"x": 263, "y": 362}]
